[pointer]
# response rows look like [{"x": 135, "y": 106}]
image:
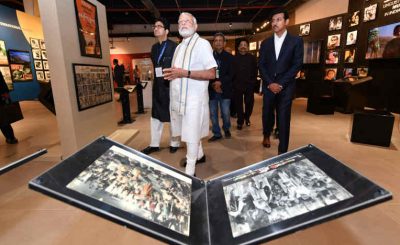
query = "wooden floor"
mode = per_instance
[{"x": 28, "y": 217}]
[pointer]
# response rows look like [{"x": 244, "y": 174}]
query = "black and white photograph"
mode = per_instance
[
  {"x": 351, "y": 38},
  {"x": 354, "y": 20},
  {"x": 335, "y": 23},
  {"x": 37, "y": 54},
  {"x": 279, "y": 192},
  {"x": 370, "y": 12},
  {"x": 40, "y": 76},
  {"x": 42, "y": 44},
  {"x": 138, "y": 186},
  {"x": 44, "y": 54},
  {"x": 47, "y": 75},
  {"x": 46, "y": 65},
  {"x": 35, "y": 43},
  {"x": 333, "y": 41},
  {"x": 305, "y": 29},
  {"x": 38, "y": 64}
]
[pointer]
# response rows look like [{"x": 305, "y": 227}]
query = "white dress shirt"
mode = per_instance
[{"x": 278, "y": 41}]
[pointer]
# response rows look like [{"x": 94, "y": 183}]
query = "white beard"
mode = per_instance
[{"x": 186, "y": 32}]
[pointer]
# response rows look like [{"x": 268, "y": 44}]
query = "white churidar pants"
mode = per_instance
[
  {"x": 156, "y": 132},
  {"x": 194, "y": 152}
]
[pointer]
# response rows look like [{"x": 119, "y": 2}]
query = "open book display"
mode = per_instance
[{"x": 258, "y": 203}]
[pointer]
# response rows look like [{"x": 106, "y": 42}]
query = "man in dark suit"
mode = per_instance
[
  {"x": 118, "y": 73},
  {"x": 281, "y": 57},
  {"x": 6, "y": 128}
]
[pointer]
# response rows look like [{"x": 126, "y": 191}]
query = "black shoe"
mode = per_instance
[
  {"x": 173, "y": 149},
  {"x": 124, "y": 122},
  {"x": 150, "y": 149},
  {"x": 248, "y": 123},
  {"x": 239, "y": 127},
  {"x": 201, "y": 160},
  {"x": 12, "y": 141},
  {"x": 214, "y": 138},
  {"x": 227, "y": 134}
]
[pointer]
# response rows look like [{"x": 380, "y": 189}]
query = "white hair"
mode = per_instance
[{"x": 187, "y": 13}]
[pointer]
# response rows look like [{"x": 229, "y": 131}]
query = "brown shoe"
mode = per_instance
[{"x": 266, "y": 142}]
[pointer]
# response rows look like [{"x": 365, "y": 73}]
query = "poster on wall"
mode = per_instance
[
  {"x": 384, "y": 42},
  {"x": 370, "y": 12},
  {"x": 3, "y": 53},
  {"x": 92, "y": 85},
  {"x": 88, "y": 28},
  {"x": 21, "y": 72},
  {"x": 5, "y": 70}
]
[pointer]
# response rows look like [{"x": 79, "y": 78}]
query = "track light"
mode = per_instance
[{"x": 239, "y": 12}]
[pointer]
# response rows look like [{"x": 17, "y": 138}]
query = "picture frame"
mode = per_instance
[
  {"x": 5, "y": 70},
  {"x": 370, "y": 12},
  {"x": 332, "y": 57},
  {"x": 21, "y": 72},
  {"x": 290, "y": 192},
  {"x": 47, "y": 75},
  {"x": 383, "y": 42},
  {"x": 362, "y": 71},
  {"x": 3, "y": 53},
  {"x": 92, "y": 85},
  {"x": 42, "y": 44},
  {"x": 354, "y": 19},
  {"x": 305, "y": 29},
  {"x": 253, "y": 46},
  {"x": 349, "y": 55},
  {"x": 40, "y": 76},
  {"x": 333, "y": 41},
  {"x": 88, "y": 29},
  {"x": 330, "y": 73},
  {"x": 34, "y": 43},
  {"x": 38, "y": 64},
  {"x": 351, "y": 38},
  {"x": 44, "y": 54},
  {"x": 335, "y": 23},
  {"x": 348, "y": 72},
  {"x": 46, "y": 65},
  {"x": 37, "y": 54}
]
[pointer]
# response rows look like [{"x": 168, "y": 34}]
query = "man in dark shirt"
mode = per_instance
[
  {"x": 123, "y": 94},
  {"x": 244, "y": 81},
  {"x": 162, "y": 53},
  {"x": 220, "y": 89}
]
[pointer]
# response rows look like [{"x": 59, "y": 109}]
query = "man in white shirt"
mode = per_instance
[{"x": 193, "y": 66}]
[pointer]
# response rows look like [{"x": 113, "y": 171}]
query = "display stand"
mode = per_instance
[
  {"x": 258, "y": 203},
  {"x": 139, "y": 92}
]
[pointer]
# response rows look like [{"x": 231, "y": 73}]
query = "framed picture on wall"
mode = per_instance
[
  {"x": 349, "y": 55},
  {"x": 332, "y": 57},
  {"x": 44, "y": 54},
  {"x": 351, "y": 38},
  {"x": 88, "y": 28},
  {"x": 42, "y": 44},
  {"x": 38, "y": 65},
  {"x": 362, "y": 71},
  {"x": 335, "y": 23},
  {"x": 305, "y": 29},
  {"x": 253, "y": 46},
  {"x": 3, "y": 53},
  {"x": 21, "y": 72},
  {"x": 330, "y": 74},
  {"x": 47, "y": 75},
  {"x": 37, "y": 54},
  {"x": 19, "y": 56},
  {"x": 347, "y": 72},
  {"x": 40, "y": 76},
  {"x": 354, "y": 19},
  {"x": 5, "y": 70},
  {"x": 370, "y": 12},
  {"x": 333, "y": 41},
  {"x": 46, "y": 65},
  {"x": 92, "y": 85},
  {"x": 34, "y": 43}
]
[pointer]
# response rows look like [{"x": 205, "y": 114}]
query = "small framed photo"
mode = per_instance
[
  {"x": 370, "y": 12},
  {"x": 305, "y": 29},
  {"x": 354, "y": 19},
  {"x": 46, "y": 65},
  {"x": 38, "y": 65},
  {"x": 351, "y": 38},
  {"x": 42, "y": 44},
  {"x": 3, "y": 53},
  {"x": 332, "y": 57},
  {"x": 5, "y": 70},
  {"x": 333, "y": 41},
  {"x": 330, "y": 74},
  {"x": 44, "y": 54},
  {"x": 40, "y": 76},
  {"x": 347, "y": 72},
  {"x": 349, "y": 55},
  {"x": 335, "y": 23},
  {"x": 253, "y": 46},
  {"x": 47, "y": 75},
  {"x": 35, "y": 43},
  {"x": 362, "y": 71},
  {"x": 37, "y": 55}
]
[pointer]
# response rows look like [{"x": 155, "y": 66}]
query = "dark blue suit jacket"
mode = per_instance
[{"x": 283, "y": 70}]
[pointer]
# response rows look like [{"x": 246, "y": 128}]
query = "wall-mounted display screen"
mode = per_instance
[
  {"x": 19, "y": 57},
  {"x": 384, "y": 42},
  {"x": 312, "y": 52}
]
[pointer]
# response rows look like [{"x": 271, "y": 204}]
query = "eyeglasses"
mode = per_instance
[{"x": 157, "y": 26}]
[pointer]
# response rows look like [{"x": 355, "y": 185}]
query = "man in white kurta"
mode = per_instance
[{"x": 192, "y": 67}]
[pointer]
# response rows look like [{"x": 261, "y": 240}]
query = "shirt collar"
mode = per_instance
[{"x": 282, "y": 37}]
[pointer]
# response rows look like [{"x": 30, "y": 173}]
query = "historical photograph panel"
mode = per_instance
[
  {"x": 278, "y": 192},
  {"x": 139, "y": 186}
]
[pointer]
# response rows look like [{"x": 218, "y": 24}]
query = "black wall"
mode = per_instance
[{"x": 383, "y": 92}]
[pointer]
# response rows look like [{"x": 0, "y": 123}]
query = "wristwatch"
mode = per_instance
[{"x": 188, "y": 75}]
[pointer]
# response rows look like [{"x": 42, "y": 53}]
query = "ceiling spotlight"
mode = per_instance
[
  {"x": 239, "y": 12},
  {"x": 258, "y": 29}
]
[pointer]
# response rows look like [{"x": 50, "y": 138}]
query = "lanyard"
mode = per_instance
[{"x": 161, "y": 52}]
